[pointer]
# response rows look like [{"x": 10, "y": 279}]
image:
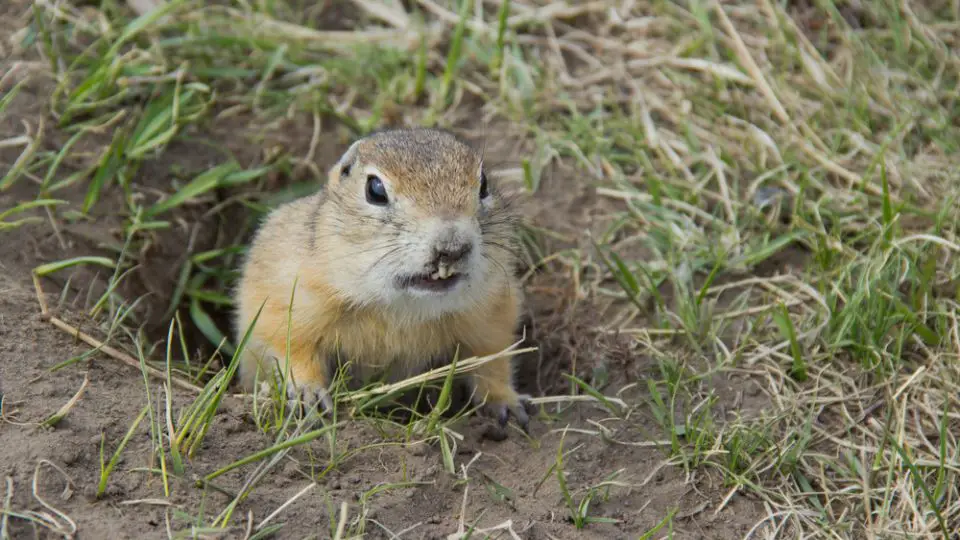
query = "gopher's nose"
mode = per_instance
[{"x": 447, "y": 254}]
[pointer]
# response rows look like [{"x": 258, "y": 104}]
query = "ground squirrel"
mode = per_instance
[{"x": 405, "y": 255}]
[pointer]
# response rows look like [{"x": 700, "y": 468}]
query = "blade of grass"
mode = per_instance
[
  {"x": 267, "y": 452},
  {"x": 22, "y": 161},
  {"x": 782, "y": 317},
  {"x": 107, "y": 469},
  {"x": 56, "y": 417},
  {"x": 453, "y": 55},
  {"x": 50, "y": 268}
]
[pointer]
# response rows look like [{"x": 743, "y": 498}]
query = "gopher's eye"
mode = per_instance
[
  {"x": 484, "y": 193},
  {"x": 376, "y": 193}
]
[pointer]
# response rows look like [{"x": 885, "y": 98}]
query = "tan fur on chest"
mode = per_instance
[{"x": 372, "y": 341}]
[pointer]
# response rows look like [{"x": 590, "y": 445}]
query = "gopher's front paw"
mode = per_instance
[
  {"x": 518, "y": 406},
  {"x": 309, "y": 396}
]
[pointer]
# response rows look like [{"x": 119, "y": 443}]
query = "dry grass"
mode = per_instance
[{"x": 777, "y": 196}]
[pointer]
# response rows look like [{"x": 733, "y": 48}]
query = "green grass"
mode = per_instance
[
  {"x": 773, "y": 241},
  {"x": 106, "y": 467}
]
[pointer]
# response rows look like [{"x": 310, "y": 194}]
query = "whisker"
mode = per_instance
[
  {"x": 516, "y": 252},
  {"x": 385, "y": 255},
  {"x": 503, "y": 269},
  {"x": 365, "y": 251}
]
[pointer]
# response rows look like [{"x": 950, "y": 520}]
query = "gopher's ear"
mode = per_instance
[{"x": 344, "y": 165}]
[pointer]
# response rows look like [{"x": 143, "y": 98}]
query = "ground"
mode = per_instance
[{"x": 740, "y": 228}]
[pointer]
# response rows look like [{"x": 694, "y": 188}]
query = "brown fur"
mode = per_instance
[{"x": 313, "y": 240}]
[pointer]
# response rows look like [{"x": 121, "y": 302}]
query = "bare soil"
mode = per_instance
[{"x": 64, "y": 461}]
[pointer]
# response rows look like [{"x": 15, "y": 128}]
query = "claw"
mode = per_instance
[
  {"x": 504, "y": 416},
  {"x": 309, "y": 397},
  {"x": 517, "y": 411}
]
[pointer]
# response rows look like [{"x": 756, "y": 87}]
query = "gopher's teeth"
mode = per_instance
[{"x": 442, "y": 273}]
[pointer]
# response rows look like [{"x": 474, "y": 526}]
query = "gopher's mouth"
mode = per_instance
[{"x": 430, "y": 282}]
